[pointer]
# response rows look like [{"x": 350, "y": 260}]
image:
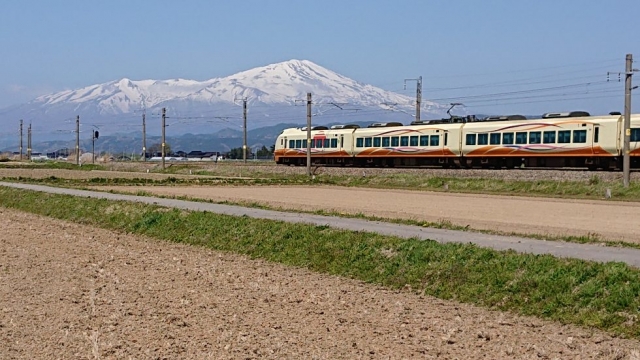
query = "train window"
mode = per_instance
[
  {"x": 635, "y": 134},
  {"x": 435, "y": 140},
  {"x": 359, "y": 142},
  {"x": 376, "y": 142},
  {"x": 385, "y": 141},
  {"x": 395, "y": 141},
  {"x": 564, "y": 137},
  {"x": 494, "y": 139},
  {"x": 304, "y": 143},
  {"x": 507, "y": 138},
  {"x": 471, "y": 139},
  {"x": 334, "y": 143},
  {"x": 404, "y": 141},
  {"x": 549, "y": 137},
  {"x": 413, "y": 141},
  {"x": 367, "y": 142},
  {"x": 292, "y": 144},
  {"x": 326, "y": 143},
  {"x": 521, "y": 138},
  {"x": 313, "y": 143},
  {"x": 483, "y": 139},
  {"x": 579, "y": 136},
  {"x": 446, "y": 138},
  {"x": 424, "y": 140},
  {"x": 319, "y": 143},
  {"x": 534, "y": 137},
  {"x": 298, "y": 144},
  {"x": 596, "y": 134}
]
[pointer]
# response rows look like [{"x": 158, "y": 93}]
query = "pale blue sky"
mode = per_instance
[{"x": 55, "y": 45}]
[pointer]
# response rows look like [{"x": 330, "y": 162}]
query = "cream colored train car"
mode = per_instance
[
  {"x": 570, "y": 141},
  {"x": 391, "y": 144},
  {"x": 555, "y": 140},
  {"x": 328, "y": 146}
]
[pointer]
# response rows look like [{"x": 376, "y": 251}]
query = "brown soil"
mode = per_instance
[
  {"x": 72, "y": 291},
  {"x": 525, "y": 215}
]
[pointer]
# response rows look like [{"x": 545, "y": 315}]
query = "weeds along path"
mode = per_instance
[
  {"x": 615, "y": 221},
  {"x": 74, "y": 291},
  {"x": 525, "y": 245}
]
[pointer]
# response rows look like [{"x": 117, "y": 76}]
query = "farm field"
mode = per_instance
[
  {"x": 559, "y": 217},
  {"x": 70, "y": 290},
  {"x": 268, "y": 169}
]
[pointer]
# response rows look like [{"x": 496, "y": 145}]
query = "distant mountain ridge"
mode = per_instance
[
  {"x": 272, "y": 91},
  {"x": 221, "y": 141}
]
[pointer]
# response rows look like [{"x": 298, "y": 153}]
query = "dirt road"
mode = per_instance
[
  {"x": 525, "y": 215},
  {"x": 72, "y": 291}
]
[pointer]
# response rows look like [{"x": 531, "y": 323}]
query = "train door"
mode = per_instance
[{"x": 595, "y": 140}]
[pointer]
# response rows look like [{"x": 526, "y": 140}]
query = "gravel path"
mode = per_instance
[
  {"x": 525, "y": 215},
  {"x": 72, "y": 291}
]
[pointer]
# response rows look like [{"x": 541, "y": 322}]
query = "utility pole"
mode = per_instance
[
  {"x": 29, "y": 142},
  {"x": 20, "y": 139},
  {"x": 164, "y": 115},
  {"x": 77, "y": 139},
  {"x": 309, "y": 134},
  {"x": 244, "y": 129},
  {"x": 144, "y": 135},
  {"x": 626, "y": 161},
  {"x": 418, "y": 95}
]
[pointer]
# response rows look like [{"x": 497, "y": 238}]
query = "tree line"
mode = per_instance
[{"x": 235, "y": 153}]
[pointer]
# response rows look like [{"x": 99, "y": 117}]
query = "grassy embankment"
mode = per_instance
[{"x": 604, "y": 296}]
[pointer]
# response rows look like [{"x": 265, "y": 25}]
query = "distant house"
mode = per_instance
[
  {"x": 198, "y": 155},
  {"x": 59, "y": 154},
  {"x": 38, "y": 157}
]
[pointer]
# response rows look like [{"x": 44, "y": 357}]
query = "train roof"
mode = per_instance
[{"x": 471, "y": 119}]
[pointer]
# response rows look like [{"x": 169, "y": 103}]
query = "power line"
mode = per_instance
[
  {"x": 547, "y": 100},
  {"x": 597, "y": 83}
]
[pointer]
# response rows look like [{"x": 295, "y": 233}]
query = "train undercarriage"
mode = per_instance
[{"x": 591, "y": 163}]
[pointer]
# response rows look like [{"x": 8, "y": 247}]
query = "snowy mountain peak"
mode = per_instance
[{"x": 280, "y": 84}]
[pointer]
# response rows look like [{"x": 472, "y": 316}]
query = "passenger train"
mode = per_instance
[{"x": 572, "y": 139}]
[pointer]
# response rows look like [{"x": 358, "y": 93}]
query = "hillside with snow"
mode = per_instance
[{"x": 274, "y": 94}]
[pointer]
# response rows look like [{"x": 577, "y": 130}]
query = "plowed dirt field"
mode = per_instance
[{"x": 72, "y": 291}]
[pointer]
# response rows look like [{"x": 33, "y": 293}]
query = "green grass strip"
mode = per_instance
[
  {"x": 51, "y": 165},
  {"x": 604, "y": 296}
]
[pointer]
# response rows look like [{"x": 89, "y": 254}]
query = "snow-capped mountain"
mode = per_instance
[{"x": 272, "y": 91}]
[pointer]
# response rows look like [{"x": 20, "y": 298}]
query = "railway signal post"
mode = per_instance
[
  {"x": 244, "y": 130},
  {"x": 29, "y": 142},
  {"x": 309, "y": 134},
  {"x": 78, "y": 140},
  {"x": 144, "y": 135},
  {"x": 20, "y": 139},
  {"x": 164, "y": 116}
]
